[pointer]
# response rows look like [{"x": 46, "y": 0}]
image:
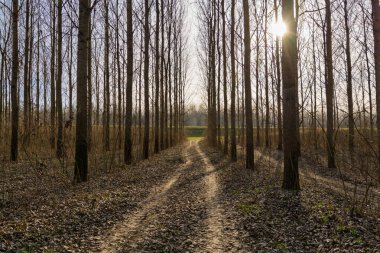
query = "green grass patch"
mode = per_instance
[
  {"x": 195, "y": 131},
  {"x": 279, "y": 245},
  {"x": 350, "y": 231},
  {"x": 325, "y": 211},
  {"x": 250, "y": 208},
  {"x": 195, "y": 138}
]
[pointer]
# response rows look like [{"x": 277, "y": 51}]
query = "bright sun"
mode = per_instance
[{"x": 278, "y": 28}]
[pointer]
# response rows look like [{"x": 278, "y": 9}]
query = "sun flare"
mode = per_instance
[{"x": 278, "y": 28}]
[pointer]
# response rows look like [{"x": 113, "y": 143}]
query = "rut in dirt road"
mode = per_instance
[
  {"x": 215, "y": 219},
  {"x": 335, "y": 184},
  {"x": 132, "y": 227},
  {"x": 181, "y": 215}
]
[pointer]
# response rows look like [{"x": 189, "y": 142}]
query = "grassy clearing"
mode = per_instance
[
  {"x": 198, "y": 132},
  {"x": 195, "y": 138}
]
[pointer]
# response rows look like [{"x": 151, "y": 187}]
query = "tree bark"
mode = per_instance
[
  {"x": 329, "y": 89},
  {"x": 107, "y": 104},
  {"x": 267, "y": 111},
  {"x": 278, "y": 71},
  {"x": 157, "y": 80},
  {"x": 81, "y": 148},
  {"x": 226, "y": 127},
  {"x": 38, "y": 92},
  {"x": 247, "y": 84},
  {"x": 146, "y": 82},
  {"x": 119, "y": 81},
  {"x": 351, "y": 122},
  {"x": 52, "y": 79},
  {"x": 233, "y": 85},
  {"x": 129, "y": 106},
  {"x": 89, "y": 85},
  {"x": 258, "y": 140},
  {"x": 376, "y": 35},
  {"x": 14, "y": 82},
  {"x": 26, "y": 108},
  {"x": 290, "y": 98},
  {"x": 70, "y": 75},
  {"x": 162, "y": 97},
  {"x": 60, "y": 148},
  {"x": 369, "y": 84}
]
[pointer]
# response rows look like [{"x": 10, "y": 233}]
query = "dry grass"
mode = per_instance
[{"x": 39, "y": 160}]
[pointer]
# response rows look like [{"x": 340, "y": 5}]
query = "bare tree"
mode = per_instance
[
  {"x": 266, "y": 75},
  {"x": 106, "y": 102},
  {"x": 351, "y": 123},
  {"x": 249, "y": 164},
  {"x": 290, "y": 98},
  {"x": 81, "y": 148},
  {"x": 52, "y": 75},
  {"x": 157, "y": 80},
  {"x": 60, "y": 151},
  {"x": 27, "y": 89},
  {"x": 129, "y": 106},
  {"x": 14, "y": 92},
  {"x": 278, "y": 72},
  {"x": 233, "y": 84},
  {"x": 146, "y": 81},
  {"x": 226, "y": 128},
  {"x": 376, "y": 35},
  {"x": 89, "y": 86},
  {"x": 329, "y": 89}
]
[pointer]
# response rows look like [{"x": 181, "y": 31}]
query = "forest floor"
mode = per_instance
[{"x": 189, "y": 198}]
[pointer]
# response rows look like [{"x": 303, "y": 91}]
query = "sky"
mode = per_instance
[{"x": 195, "y": 91}]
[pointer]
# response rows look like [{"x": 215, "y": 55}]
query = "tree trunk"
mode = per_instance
[
  {"x": 45, "y": 91},
  {"x": 81, "y": 149},
  {"x": 219, "y": 76},
  {"x": 329, "y": 89},
  {"x": 157, "y": 80},
  {"x": 226, "y": 128},
  {"x": 369, "y": 84},
  {"x": 14, "y": 82},
  {"x": 214, "y": 127},
  {"x": 351, "y": 123},
  {"x": 129, "y": 106},
  {"x": 30, "y": 73},
  {"x": 258, "y": 140},
  {"x": 70, "y": 75},
  {"x": 290, "y": 105},
  {"x": 233, "y": 85},
  {"x": 26, "y": 108},
  {"x": 162, "y": 97},
  {"x": 376, "y": 35},
  {"x": 3, "y": 99},
  {"x": 38, "y": 92},
  {"x": 278, "y": 71},
  {"x": 60, "y": 148},
  {"x": 248, "y": 93},
  {"x": 267, "y": 111},
  {"x": 107, "y": 104},
  {"x": 52, "y": 79},
  {"x": 119, "y": 100},
  {"x": 315, "y": 93},
  {"x": 89, "y": 85},
  {"x": 146, "y": 82}
]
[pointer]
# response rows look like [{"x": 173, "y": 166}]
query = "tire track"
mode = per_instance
[
  {"x": 135, "y": 225},
  {"x": 336, "y": 185},
  {"x": 217, "y": 239},
  {"x": 186, "y": 206}
]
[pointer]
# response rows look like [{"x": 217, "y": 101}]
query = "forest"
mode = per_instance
[{"x": 189, "y": 126}]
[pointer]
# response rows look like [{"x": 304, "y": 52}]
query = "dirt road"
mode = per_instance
[
  {"x": 189, "y": 198},
  {"x": 180, "y": 215}
]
